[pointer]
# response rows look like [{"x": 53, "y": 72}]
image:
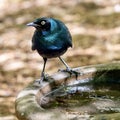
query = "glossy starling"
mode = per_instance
[{"x": 51, "y": 39}]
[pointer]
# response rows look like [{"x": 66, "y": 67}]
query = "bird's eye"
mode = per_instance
[{"x": 43, "y": 22}]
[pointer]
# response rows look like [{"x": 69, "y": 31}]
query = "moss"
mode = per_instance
[
  {"x": 70, "y": 100},
  {"x": 29, "y": 106},
  {"x": 114, "y": 116},
  {"x": 107, "y": 74}
]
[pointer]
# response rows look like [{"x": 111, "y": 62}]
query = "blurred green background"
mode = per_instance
[{"x": 95, "y": 29}]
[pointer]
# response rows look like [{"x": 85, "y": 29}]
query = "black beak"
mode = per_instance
[
  {"x": 31, "y": 24},
  {"x": 34, "y": 25}
]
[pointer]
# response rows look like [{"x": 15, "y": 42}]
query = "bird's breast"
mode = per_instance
[{"x": 49, "y": 46}]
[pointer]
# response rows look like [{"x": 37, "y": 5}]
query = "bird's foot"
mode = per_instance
[
  {"x": 42, "y": 78},
  {"x": 71, "y": 72},
  {"x": 38, "y": 82}
]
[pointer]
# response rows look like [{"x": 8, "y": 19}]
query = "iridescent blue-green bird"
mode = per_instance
[{"x": 51, "y": 39}]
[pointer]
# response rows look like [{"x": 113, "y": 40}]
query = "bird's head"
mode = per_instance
[
  {"x": 44, "y": 24},
  {"x": 41, "y": 23}
]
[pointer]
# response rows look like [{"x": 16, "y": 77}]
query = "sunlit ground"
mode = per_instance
[{"x": 95, "y": 28}]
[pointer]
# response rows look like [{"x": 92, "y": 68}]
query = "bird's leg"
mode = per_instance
[
  {"x": 43, "y": 74},
  {"x": 67, "y": 67}
]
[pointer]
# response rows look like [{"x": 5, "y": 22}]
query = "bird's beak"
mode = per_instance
[
  {"x": 34, "y": 25},
  {"x": 31, "y": 24}
]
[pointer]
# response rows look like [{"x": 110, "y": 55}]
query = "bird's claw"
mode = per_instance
[
  {"x": 38, "y": 82},
  {"x": 43, "y": 78},
  {"x": 71, "y": 71}
]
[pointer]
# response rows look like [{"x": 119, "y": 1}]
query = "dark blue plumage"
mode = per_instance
[{"x": 51, "y": 39}]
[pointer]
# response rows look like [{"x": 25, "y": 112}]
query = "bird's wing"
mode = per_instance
[
  {"x": 66, "y": 39},
  {"x": 69, "y": 40},
  {"x": 64, "y": 34}
]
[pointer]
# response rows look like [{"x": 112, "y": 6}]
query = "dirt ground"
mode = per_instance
[{"x": 95, "y": 29}]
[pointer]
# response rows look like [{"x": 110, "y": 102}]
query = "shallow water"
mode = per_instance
[{"x": 86, "y": 98}]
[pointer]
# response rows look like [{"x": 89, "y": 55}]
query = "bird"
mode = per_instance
[{"x": 51, "y": 39}]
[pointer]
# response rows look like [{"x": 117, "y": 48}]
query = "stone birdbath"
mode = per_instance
[{"x": 89, "y": 93}]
